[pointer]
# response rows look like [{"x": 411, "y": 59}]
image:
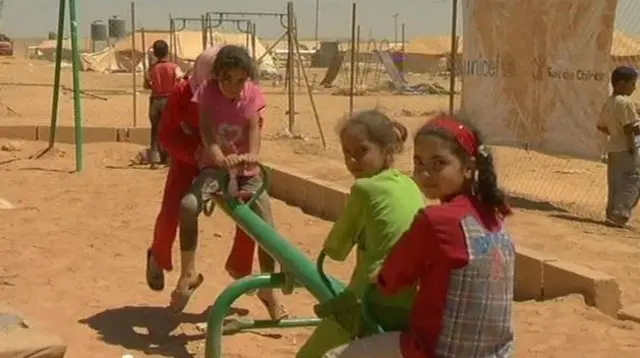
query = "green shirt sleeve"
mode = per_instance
[{"x": 345, "y": 232}]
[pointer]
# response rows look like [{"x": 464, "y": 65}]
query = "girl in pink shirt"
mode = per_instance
[{"x": 230, "y": 126}]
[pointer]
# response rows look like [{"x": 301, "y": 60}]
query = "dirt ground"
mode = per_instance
[{"x": 73, "y": 251}]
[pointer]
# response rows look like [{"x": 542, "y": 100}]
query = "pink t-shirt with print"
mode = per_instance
[{"x": 230, "y": 118}]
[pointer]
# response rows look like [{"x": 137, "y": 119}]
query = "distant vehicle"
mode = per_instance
[{"x": 6, "y": 45}]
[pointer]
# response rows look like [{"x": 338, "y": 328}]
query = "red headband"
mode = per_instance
[{"x": 463, "y": 135}]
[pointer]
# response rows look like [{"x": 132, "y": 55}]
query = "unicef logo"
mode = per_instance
[{"x": 501, "y": 66}]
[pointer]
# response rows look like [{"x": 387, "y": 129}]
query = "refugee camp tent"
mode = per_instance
[
  {"x": 625, "y": 50},
  {"x": 188, "y": 45},
  {"x": 428, "y": 54}
]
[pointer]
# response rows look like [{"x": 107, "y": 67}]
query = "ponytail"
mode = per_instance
[
  {"x": 486, "y": 185},
  {"x": 401, "y": 133}
]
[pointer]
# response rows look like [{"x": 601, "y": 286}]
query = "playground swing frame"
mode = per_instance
[
  {"x": 298, "y": 271},
  {"x": 77, "y": 101},
  {"x": 249, "y": 30},
  {"x": 173, "y": 30}
]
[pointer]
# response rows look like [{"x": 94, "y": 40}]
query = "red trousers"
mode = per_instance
[{"x": 179, "y": 179}]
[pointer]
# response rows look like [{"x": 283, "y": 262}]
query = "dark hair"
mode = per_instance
[
  {"x": 232, "y": 57},
  {"x": 487, "y": 188},
  {"x": 160, "y": 49},
  {"x": 381, "y": 130},
  {"x": 623, "y": 74}
]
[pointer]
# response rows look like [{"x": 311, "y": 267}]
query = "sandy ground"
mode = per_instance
[
  {"x": 73, "y": 252},
  {"x": 73, "y": 260}
]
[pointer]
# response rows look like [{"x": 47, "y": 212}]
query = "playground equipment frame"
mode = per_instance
[
  {"x": 249, "y": 30},
  {"x": 454, "y": 56},
  {"x": 77, "y": 101}
]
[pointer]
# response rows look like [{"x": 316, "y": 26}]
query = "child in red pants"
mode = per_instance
[{"x": 179, "y": 135}]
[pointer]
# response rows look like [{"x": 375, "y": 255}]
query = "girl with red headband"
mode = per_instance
[{"x": 457, "y": 252}]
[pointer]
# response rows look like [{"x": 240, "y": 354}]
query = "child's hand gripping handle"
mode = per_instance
[{"x": 232, "y": 189}]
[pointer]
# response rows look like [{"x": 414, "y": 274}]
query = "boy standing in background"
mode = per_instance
[
  {"x": 619, "y": 121},
  {"x": 160, "y": 79}
]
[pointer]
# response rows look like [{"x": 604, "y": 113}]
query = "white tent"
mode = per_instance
[{"x": 188, "y": 45}]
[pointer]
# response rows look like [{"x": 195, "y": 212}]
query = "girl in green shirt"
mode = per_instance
[{"x": 380, "y": 208}]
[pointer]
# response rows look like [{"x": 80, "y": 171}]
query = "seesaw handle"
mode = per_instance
[
  {"x": 325, "y": 279},
  {"x": 366, "y": 310},
  {"x": 369, "y": 319},
  {"x": 231, "y": 189}
]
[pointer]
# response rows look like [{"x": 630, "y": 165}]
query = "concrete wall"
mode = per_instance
[{"x": 538, "y": 276}]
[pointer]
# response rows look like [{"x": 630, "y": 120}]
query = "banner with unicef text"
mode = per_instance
[{"x": 536, "y": 72}]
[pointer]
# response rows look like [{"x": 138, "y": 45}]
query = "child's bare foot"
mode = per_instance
[
  {"x": 272, "y": 303},
  {"x": 185, "y": 287}
]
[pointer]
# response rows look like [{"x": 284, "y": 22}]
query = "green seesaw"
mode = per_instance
[{"x": 297, "y": 271}]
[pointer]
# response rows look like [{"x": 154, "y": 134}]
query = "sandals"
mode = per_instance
[
  {"x": 180, "y": 297},
  {"x": 154, "y": 274},
  {"x": 277, "y": 312}
]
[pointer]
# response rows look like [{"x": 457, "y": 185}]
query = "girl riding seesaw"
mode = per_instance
[
  {"x": 217, "y": 124},
  {"x": 457, "y": 252}
]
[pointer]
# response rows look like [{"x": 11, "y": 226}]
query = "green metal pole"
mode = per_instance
[
  {"x": 77, "y": 104},
  {"x": 220, "y": 309},
  {"x": 236, "y": 326},
  {"x": 291, "y": 258},
  {"x": 56, "y": 75},
  {"x": 216, "y": 326}
]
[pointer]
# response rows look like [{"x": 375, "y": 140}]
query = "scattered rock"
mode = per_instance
[
  {"x": 11, "y": 146},
  {"x": 360, "y": 91},
  {"x": 407, "y": 113},
  {"x": 6, "y": 205}
]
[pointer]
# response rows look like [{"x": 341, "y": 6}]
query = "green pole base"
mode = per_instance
[
  {"x": 222, "y": 306},
  {"x": 234, "y": 326}
]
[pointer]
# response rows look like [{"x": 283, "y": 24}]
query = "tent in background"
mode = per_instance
[
  {"x": 625, "y": 50},
  {"x": 118, "y": 58},
  {"x": 187, "y": 48},
  {"x": 428, "y": 54}
]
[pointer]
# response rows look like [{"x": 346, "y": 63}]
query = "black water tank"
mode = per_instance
[
  {"x": 99, "y": 31},
  {"x": 326, "y": 53},
  {"x": 117, "y": 28}
]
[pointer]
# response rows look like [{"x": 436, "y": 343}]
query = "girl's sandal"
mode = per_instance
[
  {"x": 277, "y": 312},
  {"x": 180, "y": 298},
  {"x": 154, "y": 274}
]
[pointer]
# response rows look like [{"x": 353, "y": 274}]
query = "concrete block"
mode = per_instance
[
  {"x": 314, "y": 201},
  {"x": 314, "y": 196},
  {"x": 287, "y": 185},
  {"x": 135, "y": 135},
  {"x": 599, "y": 289},
  {"x": 66, "y": 134},
  {"x": 334, "y": 201},
  {"x": 122, "y": 134},
  {"x": 20, "y": 132},
  {"x": 529, "y": 274}
]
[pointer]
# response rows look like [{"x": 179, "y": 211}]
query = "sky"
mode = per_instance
[{"x": 35, "y": 18}]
